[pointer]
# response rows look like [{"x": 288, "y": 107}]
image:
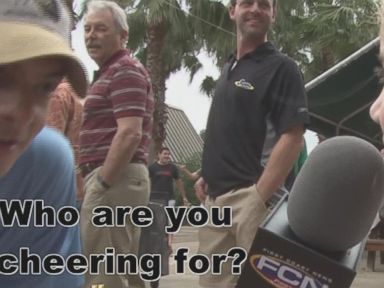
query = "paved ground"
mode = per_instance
[{"x": 187, "y": 237}]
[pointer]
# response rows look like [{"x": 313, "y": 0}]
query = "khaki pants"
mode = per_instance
[
  {"x": 131, "y": 189},
  {"x": 248, "y": 211}
]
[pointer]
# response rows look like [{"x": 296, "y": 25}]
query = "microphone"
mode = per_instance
[
  {"x": 315, "y": 239},
  {"x": 336, "y": 196}
]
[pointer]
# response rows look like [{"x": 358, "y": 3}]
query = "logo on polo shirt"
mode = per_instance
[{"x": 244, "y": 84}]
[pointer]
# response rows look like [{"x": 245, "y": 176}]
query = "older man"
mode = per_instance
[
  {"x": 35, "y": 162},
  {"x": 114, "y": 138}
]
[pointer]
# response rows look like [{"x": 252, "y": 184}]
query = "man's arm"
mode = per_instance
[
  {"x": 201, "y": 189},
  {"x": 283, "y": 156},
  {"x": 193, "y": 176},
  {"x": 123, "y": 147},
  {"x": 181, "y": 188}
]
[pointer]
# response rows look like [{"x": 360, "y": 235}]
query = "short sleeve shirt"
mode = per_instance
[
  {"x": 162, "y": 177},
  {"x": 262, "y": 86},
  {"x": 122, "y": 88},
  {"x": 45, "y": 171}
]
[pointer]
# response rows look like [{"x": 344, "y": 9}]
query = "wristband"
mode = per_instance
[{"x": 102, "y": 182}]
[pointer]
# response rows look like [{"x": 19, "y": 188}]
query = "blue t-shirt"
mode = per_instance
[{"x": 45, "y": 171}]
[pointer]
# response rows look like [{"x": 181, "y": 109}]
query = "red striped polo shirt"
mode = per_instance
[{"x": 122, "y": 88}]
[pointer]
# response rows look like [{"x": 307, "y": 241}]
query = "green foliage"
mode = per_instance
[
  {"x": 178, "y": 44},
  {"x": 208, "y": 86},
  {"x": 214, "y": 28},
  {"x": 319, "y": 33}
]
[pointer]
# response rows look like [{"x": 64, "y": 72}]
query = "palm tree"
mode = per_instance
[
  {"x": 345, "y": 27},
  {"x": 166, "y": 43},
  {"x": 216, "y": 32},
  {"x": 286, "y": 32},
  {"x": 319, "y": 33}
]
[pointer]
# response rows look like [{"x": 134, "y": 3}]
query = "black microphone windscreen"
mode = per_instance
[{"x": 337, "y": 194}]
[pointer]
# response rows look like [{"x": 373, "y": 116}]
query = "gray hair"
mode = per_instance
[{"x": 118, "y": 13}]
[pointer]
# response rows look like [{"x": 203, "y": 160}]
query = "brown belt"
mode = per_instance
[{"x": 87, "y": 168}]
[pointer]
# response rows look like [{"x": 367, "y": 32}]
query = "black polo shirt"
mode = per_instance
[{"x": 262, "y": 86}]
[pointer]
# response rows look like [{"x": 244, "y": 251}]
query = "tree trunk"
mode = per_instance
[{"x": 155, "y": 66}]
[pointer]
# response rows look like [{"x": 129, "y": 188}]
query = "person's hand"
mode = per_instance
[
  {"x": 182, "y": 167},
  {"x": 195, "y": 175},
  {"x": 200, "y": 189},
  {"x": 261, "y": 193},
  {"x": 185, "y": 201}
]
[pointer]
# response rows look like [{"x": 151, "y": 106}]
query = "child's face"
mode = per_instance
[{"x": 25, "y": 89}]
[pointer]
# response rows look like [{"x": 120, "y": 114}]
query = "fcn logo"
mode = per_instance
[{"x": 283, "y": 275}]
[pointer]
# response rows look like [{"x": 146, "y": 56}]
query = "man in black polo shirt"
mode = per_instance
[{"x": 258, "y": 87}]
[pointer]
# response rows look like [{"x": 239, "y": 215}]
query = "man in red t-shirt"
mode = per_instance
[{"x": 163, "y": 175}]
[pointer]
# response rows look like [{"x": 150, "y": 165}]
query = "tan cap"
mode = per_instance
[{"x": 39, "y": 28}]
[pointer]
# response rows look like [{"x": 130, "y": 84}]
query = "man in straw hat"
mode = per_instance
[{"x": 36, "y": 163}]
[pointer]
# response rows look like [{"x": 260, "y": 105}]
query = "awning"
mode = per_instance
[{"x": 339, "y": 99}]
